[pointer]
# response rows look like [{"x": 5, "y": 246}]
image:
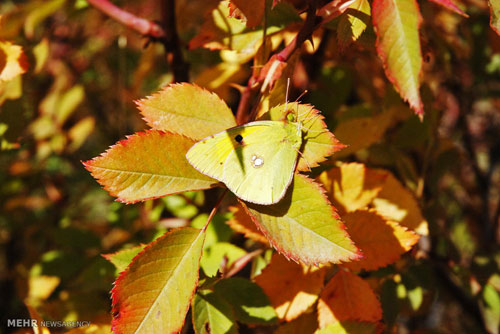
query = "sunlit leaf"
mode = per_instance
[
  {"x": 212, "y": 314},
  {"x": 396, "y": 24},
  {"x": 147, "y": 165},
  {"x": 153, "y": 294},
  {"x": 214, "y": 256},
  {"x": 242, "y": 223},
  {"x": 12, "y": 61},
  {"x": 41, "y": 287},
  {"x": 352, "y": 186},
  {"x": 382, "y": 242},
  {"x": 188, "y": 110},
  {"x": 319, "y": 142},
  {"x": 40, "y": 12},
  {"x": 122, "y": 258},
  {"x": 348, "y": 297},
  {"x": 249, "y": 303},
  {"x": 353, "y": 22},
  {"x": 219, "y": 78},
  {"x": 41, "y": 53},
  {"x": 291, "y": 287},
  {"x": 395, "y": 202},
  {"x": 80, "y": 131},
  {"x": 304, "y": 226}
]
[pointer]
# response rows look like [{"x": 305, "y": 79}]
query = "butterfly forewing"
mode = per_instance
[{"x": 256, "y": 161}]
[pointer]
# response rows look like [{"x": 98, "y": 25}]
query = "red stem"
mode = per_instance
[{"x": 142, "y": 26}]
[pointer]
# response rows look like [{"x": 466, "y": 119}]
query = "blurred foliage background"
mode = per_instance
[{"x": 77, "y": 98}]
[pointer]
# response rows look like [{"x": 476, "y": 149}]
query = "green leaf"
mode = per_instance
[
  {"x": 349, "y": 327},
  {"x": 188, "y": 110},
  {"x": 212, "y": 314},
  {"x": 213, "y": 256},
  {"x": 250, "y": 304},
  {"x": 153, "y": 294},
  {"x": 123, "y": 257},
  {"x": 396, "y": 24},
  {"x": 147, "y": 165},
  {"x": 304, "y": 226},
  {"x": 495, "y": 15}
]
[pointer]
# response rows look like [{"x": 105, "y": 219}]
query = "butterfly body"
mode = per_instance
[{"x": 256, "y": 161}]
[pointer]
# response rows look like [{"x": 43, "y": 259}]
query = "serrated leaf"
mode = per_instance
[
  {"x": 350, "y": 327},
  {"x": 214, "y": 255},
  {"x": 153, "y": 294},
  {"x": 12, "y": 61},
  {"x": 395, "y": 202},
  {"x": 212, "y": 314},
  {"x": 122, "y": 258},
  {"x": 352, "y": 186},
  {"x": 396, "y": 24},
  {"x": 319, "y": 142},
  {"x": 495, "y": 15},
  {"x": 348, "y": 297},
  {"x": 242, "y": 223},
  {"x": 382, "y": 242},
  {"x": 291, "y": 287},
  {"x": 249, "y": 303},
  {"x": 188, "y": 110},
  {"x": 353, "y": 22},
  {"x": 450, "y": 4},
  {"x": 304, "y": 226},
  {"x": 147, "y": 165}
]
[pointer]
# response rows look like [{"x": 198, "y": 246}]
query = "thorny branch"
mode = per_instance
[
  {"x": 271, "y": 70},
  {"x": 166, "y": 33}
]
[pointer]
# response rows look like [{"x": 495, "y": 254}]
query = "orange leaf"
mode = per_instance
[
  {"x": 148, "y": 165},
  {"x": 292, "y": 288},
  {"x": 382, "y": 242},
  {"x": 352, "y": 186},
  {"x": 252, "y": 10},
  {"x": 348, "y": 297},
  {"x": 12, "y": 61},
  {"x": 242, "y": 223},
  {"x": 395, "y": 202}
]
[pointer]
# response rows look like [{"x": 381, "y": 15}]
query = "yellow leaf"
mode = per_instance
[
  {"x": 352, "y": 186},
  {"x": 41, "y": 287},
  {"x": 12, "y": 61},
  {"x": 218, "y": 78},
  {"x": 396, "y": 203}
]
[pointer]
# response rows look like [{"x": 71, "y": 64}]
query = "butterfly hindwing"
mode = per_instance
[{"x": 256, "y": 161}]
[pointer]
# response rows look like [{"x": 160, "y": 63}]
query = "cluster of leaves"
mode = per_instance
[{"x": 346, "y": 224}]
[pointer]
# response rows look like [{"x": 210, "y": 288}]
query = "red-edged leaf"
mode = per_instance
[
  {"x": 304, "y": 226},
  {"x": 348, "y": 297},
  {"x": 153, "y": 294},
  {"x": 382, "y": 242},
  {"x": 396, "y": 24},
  {"x": 495, "y": 15},
  {"x": 148, "y": 165},
  {"x": 188, "y": 110},
  {"x": 318, "y": 142},
  {"x": 451, "y": 6}
]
